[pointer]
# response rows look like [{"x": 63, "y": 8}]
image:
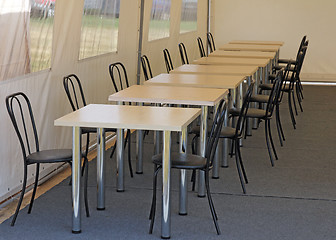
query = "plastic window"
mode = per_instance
[
  {"x": 159, "y": 24},
  {"x": 188, "y": 16},
  {"x": 99, "y": 32}
]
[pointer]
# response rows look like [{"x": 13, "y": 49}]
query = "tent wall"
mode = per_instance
[
  {"x": 45, "y": 88},
  {"x": 284, "y": 20}
]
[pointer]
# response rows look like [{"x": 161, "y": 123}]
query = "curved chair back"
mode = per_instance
[
  {"x": 201, "y": 47},
  {"x": 302, "y": 43},
  {"x": 146, "y": 68},
  {"x": 183, "y": 54},
  {"x": 211, "y": 42},
  {"x": 215, "y": 133},
  {"x": 118, "y": 76},
  {"x": 168, "y": 61},
  {"x": 72, "y": 86},
  {"x": 21, "y": 115},
  {"x": 298, "y": 66},
  {"x": 242, "y": 115},
  {"x": 274, "y": 94}
]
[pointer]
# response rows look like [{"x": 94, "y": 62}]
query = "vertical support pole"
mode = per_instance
[
  {"x": 165, "y": 221},
  {"x": 249, "y": 120},
  {"x": 183, "y": 175},
  {"x": 76, "y": 178},
  {"x": 203, "y": 138},
  {"x": 120, "y": 158},
  {"x": 225, "y": 141},
  {"x": 142, "y": 9},
  {"x": 139, "y": 149},
  {"x": 157, "y": 140},
  {"x": 100, "y": 169}
]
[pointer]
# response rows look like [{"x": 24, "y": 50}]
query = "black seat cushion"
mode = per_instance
[
  {"x": 251, "y": 112},
  {"x": 260, "y": 98},
  {"x": 182, "y": 161},
  {"x": 50, "y": 156},
  {"x": 227, "y": 132},
  {"x": 94, "y": 130},
  {"x": 266, "y": 86}
]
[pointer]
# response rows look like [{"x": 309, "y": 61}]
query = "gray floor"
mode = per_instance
[{"x": 296, "y": 199}]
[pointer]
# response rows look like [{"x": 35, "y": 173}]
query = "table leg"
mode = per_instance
[
  {"x": 183, "y": 175},
  {"x": 76, "y": 178},
  {"x": 259, "y": 79},
  {"x": 225, "y": 141},
  {"x": 120, "y": 160},
  {"x": 100, "y": 169},
  {"x": 157, "y": 140},
  {"x": 249, "y": 121},
  {"x": 165, "y": 220},
  {"x": 139, "y": 149},
  {"x": 215, "y": 166},
  {"x": 203, "y": 138},
  {"x": 240, "y": 104}
]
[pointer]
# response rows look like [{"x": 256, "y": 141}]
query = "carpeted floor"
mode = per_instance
[{"x": 296, "y": 199}]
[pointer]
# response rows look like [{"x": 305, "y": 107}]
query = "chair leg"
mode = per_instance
[
  {"x": 113, "y": 149},
  {"x": 153, "y": 206},
  {"x": 129, "y": 152},
  {"x": 270, "y": 136},
  {"x": 212, "y": 208},
  {"x": 193, "y": 180},
  {"x": 85, "y": 187},
  {"x": 241, "y": 163},
  {"x": 278, "y": 129},
  {"x": 268, "y": 144},
  {"x": 21, "y": 196},
  {"x": 291, "y": 110},
  {"x": 298, "y": 95},
  {"x": 294, "y": 103},
  {"x": 279, "y": 121},
  {"x": 35, "y": 187},
  {"x": 238, "y": 167},
  {"x": 86, "y": 151}
]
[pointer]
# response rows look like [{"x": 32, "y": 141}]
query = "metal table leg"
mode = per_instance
[
  {"x": 249, "y": 121},
  {"x": 139, "y": 149},
  {"x": 183, "y": 175},
  {"x": 203, "y": 138},
  {"x": 120, "y": 160},
  {"x": 157, "y": 140},
  {"x": 165, "y": 220},
  {"x": 225, "y": 141},
  {"x": 100, "y": 169},
  {"x": 215, "y": 166},
  {"x": 76, "y": 178}
]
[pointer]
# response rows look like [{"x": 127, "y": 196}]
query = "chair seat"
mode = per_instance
[
  {"x": 50, "y": 156},
  {"x": 251, "y": 112},
  {"x": 226, "y": 132},
  {"x": 94, "y": 130},
  {"x": 268, "y": 86},
  {"x": 282, "y": 60},
  {"x": 259, "y": 98},
  {"x": 182, "y": 161}
]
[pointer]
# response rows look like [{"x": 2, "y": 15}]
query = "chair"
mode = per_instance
[
  {"x": 146, "y": 68},
  {"x": 21, "y": 115},
  {"x": 118, "y": 69},
  {"x": 193, "y": 162},
  {"x": 74, "y": 91},
  {"x": 266, "y": 115},
  {"x": 168, "y": 61},
  {"x": 234, "y": 134},
  {"x": 183, "y": 54},
  {"x": 201, "y": 47},
  {"x": 211, "y": 42}
]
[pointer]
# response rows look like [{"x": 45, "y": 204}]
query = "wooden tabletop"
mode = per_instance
[
  {"x": 170, "y": 95},
  {"x": 257, "y": 42},
  {"x": 242, "y": 54},
  {"x": 131, "y": 117},
  {"x": 260, "y": 62},
  {"x": 216, "y": 70},
  {"x": 197, "y": 80},
  {"x": 249, "y": 47}
]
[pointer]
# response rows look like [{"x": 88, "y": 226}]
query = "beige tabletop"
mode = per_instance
[
  {"x": 242, "y": 54},
  {"x": 215, "y": 70},
  {"x": 131, "y": 117},
  {"x": 170, "y": 95},
  {"x": 257, "y": 42},
  {"x": 260, "y": 62},
  {"x": 197, "y": 80},
  {"x": 249, "y": 47}
]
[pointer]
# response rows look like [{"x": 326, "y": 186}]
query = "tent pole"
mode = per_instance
[
  {"x": 142, "y": 8},
  {"x": 208, "y": 24}
]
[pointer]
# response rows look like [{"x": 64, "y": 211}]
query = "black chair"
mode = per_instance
[
  {"x": 120, "y": 81},
  {"x": 193, "y": 162},
  {"x": 201, "y": 47},
  {"x": 167, "y": 59},
  {"x": 211, "y": 42},
  {"x": 266, "y": 115},
  {"x": 234, "y": 134},
  {"x": 183, "y": 54},
  {"x": 146, "y": 68},
  {"x": 21, "y": 115}
]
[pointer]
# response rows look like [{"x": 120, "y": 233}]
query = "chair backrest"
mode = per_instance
[
  {"x": 215, "y": 133},
  {"x": 168, "y": 61},
  {"x": 21, "y": 115},
  {"x": 303, "y": 41},
  {"x": 183, "y": 54},
  {"x": 119, "y": 76},
  {"x": 243, "y": 111},
  {"x": 146, "y": 68},
  {"x": 211, "y": 42},
  {"x": 274, "y": 94},
  {"x": 74, "y": 91},
  {"x": 201, "y": 47},
  {"x": 299, "y": 63}
]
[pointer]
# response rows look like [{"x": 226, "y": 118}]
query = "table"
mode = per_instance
[
  {"x": 124, "y": 116},
  {"x": 260, "y": 62},
  {"x": 257, "y": 42},
  {"x": 243, "y": 54},
  {"x": 250, "y": 47}
]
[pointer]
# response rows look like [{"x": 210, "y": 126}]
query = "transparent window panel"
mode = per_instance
[
  {"x": 159, "y": 24},
  {"x": 188, "y": 16},
  {"x": 99, "y": 32}
]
